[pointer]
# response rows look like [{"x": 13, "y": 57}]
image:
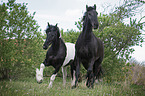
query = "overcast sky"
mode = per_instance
[
  {"x": 63, "y": 12},
  {"x": 66, "y": 12}
]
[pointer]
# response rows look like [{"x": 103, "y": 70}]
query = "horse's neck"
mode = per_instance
[
  {"x": 56, "y": 44},
  {"x": 87, "y": 29}
]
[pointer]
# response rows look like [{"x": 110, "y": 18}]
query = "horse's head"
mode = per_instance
[
  {"x": 91, "y": 15},
  {"x": 52, "y": 34}
]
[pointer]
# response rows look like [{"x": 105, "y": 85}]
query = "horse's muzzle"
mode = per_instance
[{"x": 44, "y": 47}]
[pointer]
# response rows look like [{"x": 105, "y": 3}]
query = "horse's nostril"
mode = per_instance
[{"x": 44, "y": 47}]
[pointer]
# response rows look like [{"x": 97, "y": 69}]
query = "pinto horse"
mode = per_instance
[
  {"x": 89, "y": 49},
  {"x": 59, "y": 54}
]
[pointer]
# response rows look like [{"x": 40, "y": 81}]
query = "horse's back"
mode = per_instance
[{"x": 70, "y": 53}]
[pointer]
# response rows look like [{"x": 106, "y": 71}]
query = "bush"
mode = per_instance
[
  {"x": 136, "y": 74},
  {"x": 20, "y": 41}
]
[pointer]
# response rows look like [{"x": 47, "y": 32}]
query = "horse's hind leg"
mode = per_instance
[
  {"x": 75, "y": 71},
  {"x": 64, "y": 71}
]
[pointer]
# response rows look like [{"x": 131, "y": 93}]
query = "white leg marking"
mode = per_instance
[
  {"x": 39, "y": 73},
  {"x": 42, "y": 66},
  {"x": 64, "y": 75},
  {"x": 74, "y": 79},
  {"x": 52, "y": 78},
  {"x": 37, "y": 76}
]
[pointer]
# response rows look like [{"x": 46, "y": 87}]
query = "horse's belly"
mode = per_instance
[{"x": 70, "y": 53}]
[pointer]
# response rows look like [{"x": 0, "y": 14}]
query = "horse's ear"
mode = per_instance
[
  {"x": 84, "y": 16},
  {"x": 48, "y": 24},
  {"x": 95, "y": 6},
  {"x": 56, "y": 24},
  {"x": 86, "y": 7}
]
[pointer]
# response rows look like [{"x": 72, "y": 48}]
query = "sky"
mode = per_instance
[{"x": 66, "y": 12}]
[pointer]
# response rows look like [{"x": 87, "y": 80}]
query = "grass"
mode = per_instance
[{"x": 29, "y": 87}]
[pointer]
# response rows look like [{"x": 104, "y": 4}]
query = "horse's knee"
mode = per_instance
[
  {"x": 42, "y": 66},
  {"x": 53, "y": 77},
  {"x": 89, "y": 71}
]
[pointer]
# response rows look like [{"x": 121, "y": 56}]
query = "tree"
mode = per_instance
[
  {"x": 70, "y": 36},
  {"x": 20, "y": 41}
]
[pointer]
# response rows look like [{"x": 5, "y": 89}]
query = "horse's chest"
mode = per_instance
[
  {"x": 84, "y": 52},
  {"x": 55, "y": 58}
]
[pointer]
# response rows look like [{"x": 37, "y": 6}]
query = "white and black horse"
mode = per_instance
[
  {"x": 89, "y": 49},
  {"x": 59, "y": 54}
]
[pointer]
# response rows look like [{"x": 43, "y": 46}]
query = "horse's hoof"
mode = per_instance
[
  {"x": 73, "y": 87},
  {"x": 39, "y": 82},
  {"x": 49, "y": 87},
  {"x": 87, "y": 84},
  {"x": 91, "y": 87}
]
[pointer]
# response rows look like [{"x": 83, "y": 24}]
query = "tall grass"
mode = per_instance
[
  {"x": 138, "y": 75},
  {"x": 29, "y": 87}
]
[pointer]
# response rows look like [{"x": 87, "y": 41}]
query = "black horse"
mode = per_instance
[
  {"x": 89, "y": 48},
  {"x": 59, "y": 54}
]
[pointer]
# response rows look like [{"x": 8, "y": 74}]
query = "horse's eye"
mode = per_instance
[{"x": 89, "y": 13}]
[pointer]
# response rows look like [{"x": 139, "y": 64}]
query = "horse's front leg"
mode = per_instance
[
  {"x": 52, "y": 78},
  {"x": 39, "y": 73},
  {"x": 90, "y": 74}
]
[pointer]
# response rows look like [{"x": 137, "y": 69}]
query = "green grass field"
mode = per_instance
[{"x": 29, "y": 87}]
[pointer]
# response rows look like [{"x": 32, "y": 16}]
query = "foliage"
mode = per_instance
[
  {"x": 136, "y": 72},
  {"x": 70, "y": 36},
  {"x": 128, "y": 9},
  {"x": 20, "y": 41}
]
